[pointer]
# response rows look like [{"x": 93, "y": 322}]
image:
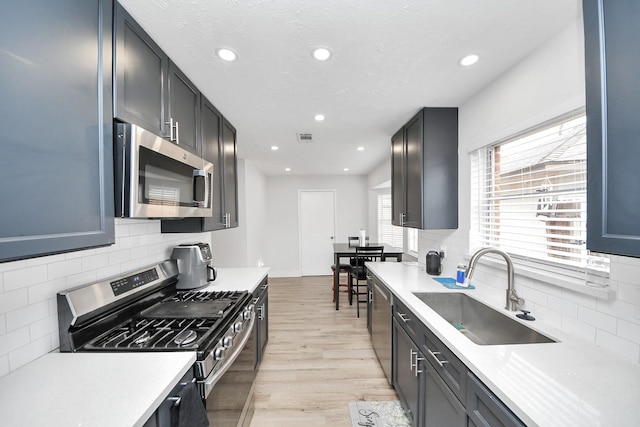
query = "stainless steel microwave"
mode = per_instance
[{"x": 156, "y": 178}]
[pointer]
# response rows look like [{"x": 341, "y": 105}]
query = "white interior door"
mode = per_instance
[{"x": 317, "y": 229}]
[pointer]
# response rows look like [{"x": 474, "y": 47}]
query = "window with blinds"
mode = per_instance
[
  {"x": 529, "y": 195},
  {"x": 387, "y": 233}
]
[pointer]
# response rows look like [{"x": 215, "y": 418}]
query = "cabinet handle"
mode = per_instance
[
  {"x": 417, "y": 359},
  {"x": 370, "y": 297},
  {"x": 172, "y": 126},
  {"x": 177, "y": 135},
  {"x": 261, "y": 312},
  {"x": 434, "y": 355},
  {"x": 401, "y": 217},
  {"x": 403, "y": 317}
]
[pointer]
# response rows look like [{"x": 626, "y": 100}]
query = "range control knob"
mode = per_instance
[
  {"x": 238, "y": 327},
  {"x": 227, "y": 342},
  {"x": 246, "y": 315},
  {"x": 220, "y": 353}
]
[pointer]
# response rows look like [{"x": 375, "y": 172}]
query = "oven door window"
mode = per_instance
[{"x": 164, "y": 181}]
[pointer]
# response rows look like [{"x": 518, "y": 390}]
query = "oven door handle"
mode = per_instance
[{"x": 210, "y": 382}]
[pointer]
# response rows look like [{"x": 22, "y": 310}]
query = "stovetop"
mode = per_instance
[{"x": 182, "y": 321}]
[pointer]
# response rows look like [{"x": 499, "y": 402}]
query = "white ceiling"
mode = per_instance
[{"x": 390, "y": 57}]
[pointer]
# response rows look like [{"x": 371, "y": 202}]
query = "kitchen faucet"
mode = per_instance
[{"x": 512, "y": 299}]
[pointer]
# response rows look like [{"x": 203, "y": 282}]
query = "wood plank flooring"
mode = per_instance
[{"x": 317, "y": 360}]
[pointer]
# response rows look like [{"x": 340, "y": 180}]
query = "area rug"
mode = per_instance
[{"x": 378, "y": 414}]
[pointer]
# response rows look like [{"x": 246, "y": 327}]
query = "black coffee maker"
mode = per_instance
[{"x": 434, "y": 264}]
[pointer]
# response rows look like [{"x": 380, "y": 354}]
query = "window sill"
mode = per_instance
[{"x": 565, "y": 281}]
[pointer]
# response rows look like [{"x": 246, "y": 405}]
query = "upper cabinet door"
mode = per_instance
[
  {"x": 414, "y": 192},
  {"x": 613, "y": 107},
  {"x": 230, "y": 159},
  {"x": 184, "y": 110},
  {"x": 397, "y": 178},
  {"x": 140, "y": 76},
  {"x": 56, "y": 162}
]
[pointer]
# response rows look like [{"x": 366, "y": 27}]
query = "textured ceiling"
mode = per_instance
[{"x": 390, "y": 57}]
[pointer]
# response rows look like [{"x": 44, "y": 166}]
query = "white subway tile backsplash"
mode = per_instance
[
  {"x": 44, "y": 327},
  {"x": 13, "y": 300},
  {"x": 626, "y": 349},
  {"x": 138, "y": 229},
  {"x": 577, "y": 328},
  {"x": 120, "y": 256},
  {"x": 65, "y": 268},
  {"x": 81, "y": 279},
  {"x": 44, "y": 291},
  {"x": 629, "y": 331},
  {"x": 21, "y": 278},
  {"x": 3, "y": 324},
  {"x": 597, "y": 319},
  {"x": 4, "y": 365},
  {"x": 27, "y": 315},
  {"x": 128, "y": 242},
  {"x": 29, "y": 352},
  {"x": 13, "y": 340},
  {"x": 93, "y": 262},
  {"x": 564, "y": 307},
  {"x": 579, "y": 299}
]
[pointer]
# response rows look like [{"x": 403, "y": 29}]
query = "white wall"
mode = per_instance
[
  {"x": 380, "y": 175},
  {"x": 28, "y": 288},
  {"x": 282, "y": 253},
  {"x": 545, "y": 84}
]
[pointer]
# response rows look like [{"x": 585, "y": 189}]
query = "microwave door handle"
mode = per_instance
[{"x": 199, "y": 178}]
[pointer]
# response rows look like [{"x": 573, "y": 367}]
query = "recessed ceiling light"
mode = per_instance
[
  {"x": 360, "y": 149},
  {"x": 226, "y": 54},
  {"x": 319, "y": 117},
  {"x": 287, "y": 169},
  {"x": 346, "y": 169},
  {"x": 469, "y": 60},
  {"x": 274, "y": 147},
  {"x": 322, "y": 53}
]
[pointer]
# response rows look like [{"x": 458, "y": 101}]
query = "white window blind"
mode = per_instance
[
  {"x": 529, "y": 195},
  {"x": 387, "y": 233}
]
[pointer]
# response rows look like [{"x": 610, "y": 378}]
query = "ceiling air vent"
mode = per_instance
[{"x": 305, "y": 137}]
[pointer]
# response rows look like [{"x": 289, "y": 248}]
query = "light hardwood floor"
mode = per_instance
[{"x": 317, "y": 360}]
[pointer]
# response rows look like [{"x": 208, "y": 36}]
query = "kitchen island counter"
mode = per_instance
[
  {"x": 568, "y": 383},
  {"x": 90, "y": 389}
]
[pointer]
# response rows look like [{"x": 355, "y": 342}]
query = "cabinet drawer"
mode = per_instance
[
  {"x": 445, "y": 363},
  {"x": 410, "y": 323},
  {"x": 485, "y": 409}
]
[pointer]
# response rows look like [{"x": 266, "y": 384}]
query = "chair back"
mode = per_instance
[{"x": 368, "y": 254}]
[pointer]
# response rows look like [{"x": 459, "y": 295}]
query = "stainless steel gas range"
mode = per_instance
[{"x": 142, "y": 311}]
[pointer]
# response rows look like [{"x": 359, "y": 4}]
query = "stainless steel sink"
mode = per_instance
[{"x": 478, "y": 322}]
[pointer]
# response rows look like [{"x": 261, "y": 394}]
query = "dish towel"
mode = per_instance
[
  {"x": 190, "y": 412},
  {"x": 450, "y": 283}
]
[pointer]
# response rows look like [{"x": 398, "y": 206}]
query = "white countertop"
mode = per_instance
[
  {"x": 237, "y": 279},
  {"x": 90, "y": 389},
  {"x": 569, "y": 383}
]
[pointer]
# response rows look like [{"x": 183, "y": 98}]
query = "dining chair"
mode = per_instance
[{"x": 358, "y": 275}]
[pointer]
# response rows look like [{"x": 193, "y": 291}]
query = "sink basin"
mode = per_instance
[{"x": 478, "y": 322}]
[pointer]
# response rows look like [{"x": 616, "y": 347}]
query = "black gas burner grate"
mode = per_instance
[{"x": 156, "y": 334}]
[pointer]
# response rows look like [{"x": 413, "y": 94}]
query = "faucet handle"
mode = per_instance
[{"x": 525, "y": 315}]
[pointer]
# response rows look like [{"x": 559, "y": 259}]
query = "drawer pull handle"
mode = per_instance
[
  {"x": 434, "y": 355},
  {"x": 403, "y": 317}
]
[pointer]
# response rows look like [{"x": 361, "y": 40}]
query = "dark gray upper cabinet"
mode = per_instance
[
  {"x": 141, "y": 73},
  {"x": 613, "y": 106},
  {"x": 184, "y": 110},
  {"x": 230, "y": 168},
  {"x": 213, "y": 132},
  {"x": 425, "y": 170},
  {"x": 56, "y": 163},
  {"x": 149, "y": 89}
]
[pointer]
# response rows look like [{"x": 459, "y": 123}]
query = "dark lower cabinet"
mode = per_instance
[
  {"x": 56, "y": 156},
  {"x": 440, "y": 405},
  {"x": 612, "y": 60},
  {"x": 262, "y": 319},
  {"x": 485, "y": 409},
  {"x": 406, "y": 375}
]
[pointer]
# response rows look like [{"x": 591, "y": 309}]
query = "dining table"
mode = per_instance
[{"x": 345, "y": 250}]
